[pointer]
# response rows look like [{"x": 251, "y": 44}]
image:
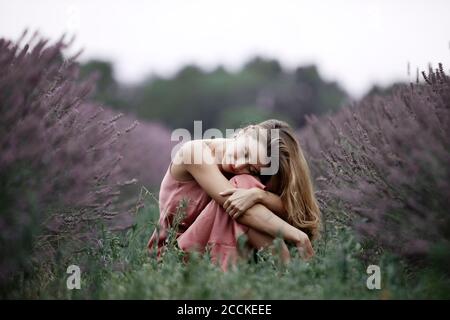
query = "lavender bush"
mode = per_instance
[
  {"x": 383, "y": 165},
  {"x": 61, "y": 162},
  {"x": 146, "y": 151},
  {"x": 145, "y": 156}
]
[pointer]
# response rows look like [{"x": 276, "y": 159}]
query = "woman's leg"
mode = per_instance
[
  {"x": 215, "y": 229},
  {"x": 259, "y": 240}
]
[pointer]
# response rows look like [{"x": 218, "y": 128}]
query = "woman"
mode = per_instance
[{"x": 228, "y": 196}]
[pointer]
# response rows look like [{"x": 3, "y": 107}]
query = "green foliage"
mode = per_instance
[
  {"x": 123, "y": 269},
  {"x": 217, "y": 97},
  {"x": 107, "y": 90},
  {"x": 244, "y": 115}
]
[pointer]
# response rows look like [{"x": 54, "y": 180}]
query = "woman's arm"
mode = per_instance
[
  {"x": 241, "y": 200},
  {"x": 209, "y": 177},
  {"x": 273, "y": 202}
]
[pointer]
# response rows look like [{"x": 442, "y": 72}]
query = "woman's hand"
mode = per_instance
[
  {"x": 240, "y": 200},
  {"x": 304, "y": 246}
]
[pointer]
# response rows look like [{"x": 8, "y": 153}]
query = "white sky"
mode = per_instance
[{"x": 357, "y": 43}]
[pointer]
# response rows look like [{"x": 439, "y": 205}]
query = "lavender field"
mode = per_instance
[{"x": 79, "y": 182}]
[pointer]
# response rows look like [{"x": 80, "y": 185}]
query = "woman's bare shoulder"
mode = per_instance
[
  {"x": 192, "y": 155},
  {"x": 194, "y": 152}
]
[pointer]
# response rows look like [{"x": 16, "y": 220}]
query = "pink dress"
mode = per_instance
[{"x": 205, "y": 224}]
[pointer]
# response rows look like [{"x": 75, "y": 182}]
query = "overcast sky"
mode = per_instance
[{"x": 357, "y": 43}]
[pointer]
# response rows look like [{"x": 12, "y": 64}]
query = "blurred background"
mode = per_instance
[{"x": 229, "y": 62}]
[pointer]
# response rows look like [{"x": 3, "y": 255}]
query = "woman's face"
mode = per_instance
[{"x": 245, "y": 154}]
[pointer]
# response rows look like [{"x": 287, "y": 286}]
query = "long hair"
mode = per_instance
[{"x": 292, "y": 182}]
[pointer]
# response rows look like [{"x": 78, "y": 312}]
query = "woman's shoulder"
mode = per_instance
[{"x": 193, "y": 152}]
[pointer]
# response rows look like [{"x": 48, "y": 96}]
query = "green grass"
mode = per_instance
[{"x": 122, "y": 269}]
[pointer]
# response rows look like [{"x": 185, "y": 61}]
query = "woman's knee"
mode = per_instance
[{"x": 246, "y": 181}]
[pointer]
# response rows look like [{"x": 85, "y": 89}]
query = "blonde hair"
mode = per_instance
[{"x": 292, "y": 182}]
